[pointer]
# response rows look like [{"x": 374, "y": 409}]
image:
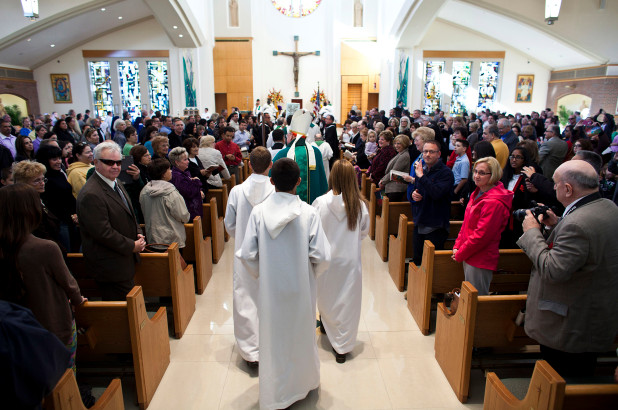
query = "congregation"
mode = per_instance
[{"x": 109, "y": 186}]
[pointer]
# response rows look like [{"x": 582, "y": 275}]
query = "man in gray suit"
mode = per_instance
[
  {"x": 571, "y": 309},
  {"x": 111, "y": 237},
  {"x": 553, "y": 151}
]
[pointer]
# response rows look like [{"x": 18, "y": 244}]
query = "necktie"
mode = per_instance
[{"x": 119, "y": 192}]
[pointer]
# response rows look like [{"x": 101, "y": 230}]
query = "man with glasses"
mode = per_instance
[
  {"x": 111, "y": 237},
  {"x": 431, "y": 200},
  {"x": 553, "y": 151}
]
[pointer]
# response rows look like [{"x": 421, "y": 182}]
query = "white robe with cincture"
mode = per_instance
[
  {"x": 286, "y": 248},
  {"x": 340, "y": 287},
  {"x": 240, "y": 203}
]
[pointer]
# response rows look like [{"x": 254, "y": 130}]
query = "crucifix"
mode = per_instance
[{"x": 296, "y": 55}]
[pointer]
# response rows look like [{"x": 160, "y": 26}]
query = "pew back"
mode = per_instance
[{"x": 66, "y": 396}]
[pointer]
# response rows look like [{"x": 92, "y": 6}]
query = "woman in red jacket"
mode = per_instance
[{"x": 486, "y": 217}]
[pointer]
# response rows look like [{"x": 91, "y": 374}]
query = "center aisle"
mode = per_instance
[{"x": 392, "y": 366}]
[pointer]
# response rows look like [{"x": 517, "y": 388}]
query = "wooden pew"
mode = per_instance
[
  {"x": 549, "y": 391},
  {"x": 480, "y": 321},
  {"x": 230, "y": 183},
  {"x": 374, "y": 209},
  {"x": 457, "y": 211},
  {"x": 439, "y": 273},
  {"x": 212, "y": 225},
  {"x": 66, "y": 396},
  {"x": 113, "y": 328},
  {"x": 159, "y": 275},
  {"x": 365, "y": 184},
  {"x": 221, "y": 197},
  {"x": 198, "y": 250},
  {"x": 387, "y": 223},
  {"x": 401, "y": 247}
]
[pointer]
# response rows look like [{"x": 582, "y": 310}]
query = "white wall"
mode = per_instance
[
  {"x": 443, "y": 36},
  {"x": 220, "y": 11},
  {"x": 147, "y": 35}
]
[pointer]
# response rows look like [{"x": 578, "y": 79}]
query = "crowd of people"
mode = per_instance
[{"x": 78, "y": 183}]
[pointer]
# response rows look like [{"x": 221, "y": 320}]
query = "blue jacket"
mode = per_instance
[{"x": 434, "y": 210}]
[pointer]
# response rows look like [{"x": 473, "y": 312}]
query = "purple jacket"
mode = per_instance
[{"x": 189, "y": 189}]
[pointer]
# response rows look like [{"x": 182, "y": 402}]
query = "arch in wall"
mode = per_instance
[
  {"x": 575, "y": 102},
  {"x": 10, "y": 98}
]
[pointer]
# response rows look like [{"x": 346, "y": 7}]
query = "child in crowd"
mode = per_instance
[
  {"x": 240, "y": 203},
  {"x": 345, "y": 220},
  {"x": 371, "y": 147},
  {"x": 285, "y": 248},
  {"x": 461, "y": 168}
]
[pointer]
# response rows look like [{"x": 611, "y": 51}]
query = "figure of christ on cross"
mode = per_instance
[{"x": 296, "y": 55}]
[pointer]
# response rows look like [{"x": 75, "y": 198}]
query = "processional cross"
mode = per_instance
[{"x": 296, "y": 55}]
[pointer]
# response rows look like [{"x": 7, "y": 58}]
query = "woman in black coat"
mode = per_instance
[{"x": 196, "y": 168}]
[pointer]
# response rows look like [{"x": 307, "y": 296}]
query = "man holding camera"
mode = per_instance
[{"x": 571, "y": 309}]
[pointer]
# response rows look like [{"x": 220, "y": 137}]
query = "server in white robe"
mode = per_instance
[
  {"x": 285, "y": 248},
  {"x": 340, "y": 287},
  {"x": 240, "y": 203}
]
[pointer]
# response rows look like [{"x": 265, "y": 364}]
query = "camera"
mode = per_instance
[{"x": 536, "y": 209}]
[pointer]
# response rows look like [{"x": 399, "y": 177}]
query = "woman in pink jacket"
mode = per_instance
[{"x": 486, "y": 217}]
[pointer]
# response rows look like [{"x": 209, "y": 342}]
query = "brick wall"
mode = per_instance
[
  {"x": 25, "y": 89},
  {"x": 603, "y": 91}
]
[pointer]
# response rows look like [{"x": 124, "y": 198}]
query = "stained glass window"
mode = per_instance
[
  {"x": 296, "y": 8},
  {"x": 101, "y": 86},
  {"x": 128, "y": 80},
  {"x": 488, "y": 83},
  {"x": 462, "y": 71},
  {"x": 157, "y": 86},
  {"x": 433, "y": 73}
]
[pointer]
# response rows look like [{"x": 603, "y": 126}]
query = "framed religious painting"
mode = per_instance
[
  {"x": 525, "y": 84},
  {"x": 61, "y": 88}
]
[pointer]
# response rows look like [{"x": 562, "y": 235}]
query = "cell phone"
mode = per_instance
[{"x": 124, "y": 177}]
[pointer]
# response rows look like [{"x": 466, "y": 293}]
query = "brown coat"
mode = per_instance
[
  {"x": 49, "y": 286},
  {"x": 109, "y": 231}
]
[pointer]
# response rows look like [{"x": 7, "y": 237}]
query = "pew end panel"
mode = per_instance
[
  {"x": 198, "y": 250},
  {"x": 388, "y": 223},
  {"x": 546, "y": 391},
  {"x": 221, "y": 196},
  {"x": 66, "y": 395},
  {"x": 454, "y": 337},
  {"x": 375, "y": 208},
  {"x": 420, "y": 285},
  {"x": 124, "y": 327},
  {"x": 161, "y": 274},
  {"x": 398, "y": 249},
  {"x": 212, "y": 225}
]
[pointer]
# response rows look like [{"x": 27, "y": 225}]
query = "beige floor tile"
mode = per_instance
[
  {"x": 362, "y": 350},
  {"x": 190, "y": 385},
  {"x": 356, "y": 384},
  {"x": 202, "y": 348},
  {"x": 401, "y": 344},
  {"x": 414, "y": 382},
  {"x": 241, "y": 389}
]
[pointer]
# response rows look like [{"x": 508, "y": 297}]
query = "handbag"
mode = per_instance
[{"x": 451, "y": 301}]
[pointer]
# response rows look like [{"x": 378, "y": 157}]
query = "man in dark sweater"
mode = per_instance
[
  {"x": 431, "y": 200},
  {"x": 177, "y": 135}
]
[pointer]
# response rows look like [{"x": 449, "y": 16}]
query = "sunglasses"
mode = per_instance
[{"x": 111, "y": 162}]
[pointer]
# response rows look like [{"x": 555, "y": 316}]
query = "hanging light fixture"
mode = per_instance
[
  {"x": 31, "y": 9},
  {"x": 552, "y": 10}
]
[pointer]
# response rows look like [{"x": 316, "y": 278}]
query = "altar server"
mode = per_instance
[
  {"x": 345, "y": 219},
  {"x": 285, "y": 248},
  {"x": 240, "y": 203}
]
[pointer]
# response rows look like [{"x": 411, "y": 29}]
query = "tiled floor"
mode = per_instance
[{"x": 393, "y": 365}]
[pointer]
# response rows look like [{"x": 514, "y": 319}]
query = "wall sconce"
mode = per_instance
[
  {"x": 31, "y": 9},
  {"x": 552, "y": 10}
]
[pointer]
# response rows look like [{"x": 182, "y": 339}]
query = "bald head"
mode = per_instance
[{"x": 574, "y": 180}]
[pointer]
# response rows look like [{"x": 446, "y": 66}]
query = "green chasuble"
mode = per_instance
[{"x": 313, "y": 182}]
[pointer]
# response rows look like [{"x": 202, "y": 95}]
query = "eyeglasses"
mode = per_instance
[
  {"x": 577, "y": 145},
  {"x": 516, "y": 157},
  {"x": 427, "y": 151},
  {"x": 40, "y": 181},
  {"x": 111, "y": 162},
  {"x": 83, "y": 144},
  {"x": 481, "y": 173}
]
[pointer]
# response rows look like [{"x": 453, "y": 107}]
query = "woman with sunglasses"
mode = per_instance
[
  {"x": 80, "y": 164},
  {"x": 486, "y": 217}
]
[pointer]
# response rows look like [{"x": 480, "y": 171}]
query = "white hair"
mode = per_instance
[
  {"x": 106, "y": 145},
  {"x": 117, "y": 122}
]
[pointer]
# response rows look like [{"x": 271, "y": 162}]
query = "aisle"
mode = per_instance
[{"x": 393, "y": 365}]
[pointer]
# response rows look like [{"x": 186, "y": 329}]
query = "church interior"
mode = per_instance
[{"x": 181, "y": 57}]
